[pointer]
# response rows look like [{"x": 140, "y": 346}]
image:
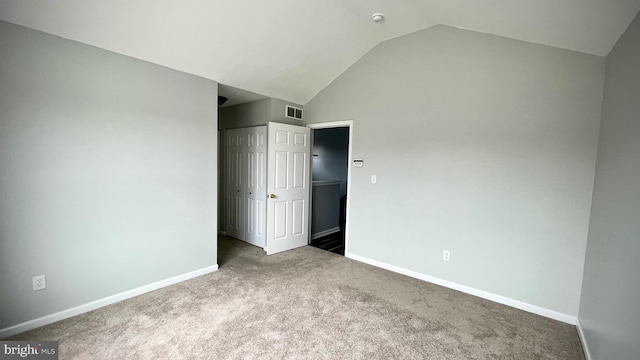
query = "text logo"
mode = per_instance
[{"x": 43, "y": 350}]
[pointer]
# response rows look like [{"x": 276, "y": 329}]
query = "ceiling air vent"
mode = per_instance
[{"x": 293, "y": 112}]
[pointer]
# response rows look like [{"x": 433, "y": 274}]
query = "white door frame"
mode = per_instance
[{"x": 337, "y": 124}]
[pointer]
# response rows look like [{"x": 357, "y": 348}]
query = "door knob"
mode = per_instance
[{"x": 272, "y": 196}]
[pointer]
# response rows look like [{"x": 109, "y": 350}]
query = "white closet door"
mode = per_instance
[
  {"x": 256, "y": 185},
  {"x": 288, "y": 185},
  {"x": 235, "y": 211}
]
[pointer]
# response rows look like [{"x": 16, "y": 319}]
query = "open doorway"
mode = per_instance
[{"x": 330, "y": 185}]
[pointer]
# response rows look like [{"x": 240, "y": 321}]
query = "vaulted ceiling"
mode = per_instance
[{"x": 292, "y": 49}]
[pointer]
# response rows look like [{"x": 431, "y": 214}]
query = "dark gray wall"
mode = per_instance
[
  {"x": 483, "y": 146},
  {"x": 609, "y": 307},
  {"x": 332, "y": 147},
  {"x": 325, "y": 211},
  {"x": 107, "y": 173}
]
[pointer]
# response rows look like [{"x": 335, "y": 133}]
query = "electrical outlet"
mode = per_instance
[
  {"x": 39, "y": 283},
  {"x": 446, "y": 255}
]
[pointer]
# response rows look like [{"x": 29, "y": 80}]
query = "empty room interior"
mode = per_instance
[{"x": 172, "y": 175}]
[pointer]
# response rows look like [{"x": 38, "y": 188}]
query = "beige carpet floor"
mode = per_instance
[{"x": 307, "y": 304}]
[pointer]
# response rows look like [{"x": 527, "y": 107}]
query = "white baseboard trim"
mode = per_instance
[
  {"x": 325, "y": 233},
  {"x": 583, "y": 340},
  {"x": 64, "y": 314},
  {"x": 469, "y": 290},
  {"x": 222, "y": 233}
]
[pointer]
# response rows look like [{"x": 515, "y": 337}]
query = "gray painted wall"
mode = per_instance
[
  {"x": 332, "y": 147},
  {"x": 483, "y": 146},
  {"x": 256, "y": 113},
  {"x": 243, "y": 115},
  {"x": 609, "y": 314},
  {"x": 278, "y": 107},
  {"x": 107, "y": 173}
]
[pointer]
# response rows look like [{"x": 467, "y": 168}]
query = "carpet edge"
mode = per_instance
[
  {"x": 555, "y": 315},
  {"x": 81, "y": 309}
]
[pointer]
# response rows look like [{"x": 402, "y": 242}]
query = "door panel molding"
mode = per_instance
[
  {"x": 289, "y": 186},
  {"x": 246, "y": 184}
]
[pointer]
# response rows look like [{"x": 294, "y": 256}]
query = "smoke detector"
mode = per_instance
[{"x": 377, "y": 17}]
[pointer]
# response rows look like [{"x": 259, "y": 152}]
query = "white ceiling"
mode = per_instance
[{"x": 292, "y": 49}]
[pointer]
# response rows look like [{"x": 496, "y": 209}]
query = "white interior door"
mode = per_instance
[
  {"x": 235, "y": 197},
  {"x": 256, "y": 185},
  {"x": 288, "y": 185}
]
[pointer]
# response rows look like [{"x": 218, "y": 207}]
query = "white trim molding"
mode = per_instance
[
  {"x": 583, "y": 340},
  {"x": 325, "y": 233},
  {"x": 469, "y": 290},
  {"x": 81, "y": 309}
]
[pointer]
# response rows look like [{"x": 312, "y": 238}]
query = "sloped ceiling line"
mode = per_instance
[{"x": 292, "y": 49}]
